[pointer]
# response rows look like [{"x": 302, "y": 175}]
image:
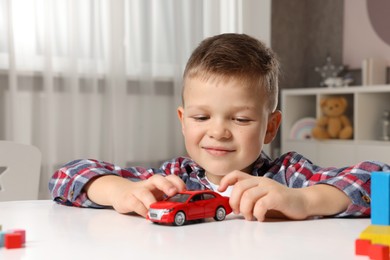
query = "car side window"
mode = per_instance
[
  {"x": 197, "y": 197},
  {"x": 208, "y": 196}
]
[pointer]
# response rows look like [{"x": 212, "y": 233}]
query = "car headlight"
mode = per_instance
[{"x": 165, "y": 211}]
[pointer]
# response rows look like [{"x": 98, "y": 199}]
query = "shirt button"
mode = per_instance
[{"x": 366, "y": 199}]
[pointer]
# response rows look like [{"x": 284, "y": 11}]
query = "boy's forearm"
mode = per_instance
[
  {"x": 101, "y": 190},
  {"x": 325, "y": 200}
]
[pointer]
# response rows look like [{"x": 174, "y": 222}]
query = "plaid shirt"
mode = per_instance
[{"x": 291, "y": 169}]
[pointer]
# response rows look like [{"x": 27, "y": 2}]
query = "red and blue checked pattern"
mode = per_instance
[{"x": 291, "y": 169}]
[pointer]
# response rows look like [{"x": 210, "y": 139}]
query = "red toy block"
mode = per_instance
[
  {"x": 362, "y": 246},
  {"x": 22, "y": 232},
  {"x": 13, "y": 240},
  {"x": 379, "y": 252}
]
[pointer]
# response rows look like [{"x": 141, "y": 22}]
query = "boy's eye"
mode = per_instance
[
  {"x": 242, "y": 120},
  {"x": 200, "y": 118}
]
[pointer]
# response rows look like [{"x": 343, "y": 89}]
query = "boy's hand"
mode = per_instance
[
  {"x": 254, "y": 196},
  {"x": 127, "y": 196},
  {"x": 257, "y": 197}
]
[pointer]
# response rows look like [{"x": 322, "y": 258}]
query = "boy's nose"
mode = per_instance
[{"x": 219, "y": 130}]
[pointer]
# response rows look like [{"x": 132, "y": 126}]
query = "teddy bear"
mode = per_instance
[{"x": 333, "y": 123}]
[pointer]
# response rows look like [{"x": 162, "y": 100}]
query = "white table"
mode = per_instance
[{"x": 59, "y": 232}]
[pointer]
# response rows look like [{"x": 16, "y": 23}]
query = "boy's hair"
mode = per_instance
[{"x": 237, "y": 56}]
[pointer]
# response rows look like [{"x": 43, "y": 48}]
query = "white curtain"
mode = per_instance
[{"x": 101, "y": 78}]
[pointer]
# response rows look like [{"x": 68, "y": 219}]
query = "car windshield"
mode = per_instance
[{"x": 179, "y": 198}]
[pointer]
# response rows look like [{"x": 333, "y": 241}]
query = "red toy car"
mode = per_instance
[{"x": 190, "y": 205}]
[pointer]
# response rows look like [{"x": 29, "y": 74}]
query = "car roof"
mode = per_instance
[{"x": 193, "y": 192}]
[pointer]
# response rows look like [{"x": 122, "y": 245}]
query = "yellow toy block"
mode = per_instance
[{"x": 378, "y": 234}]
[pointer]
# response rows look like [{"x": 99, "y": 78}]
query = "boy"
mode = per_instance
[{"x": 227, "y": 114}]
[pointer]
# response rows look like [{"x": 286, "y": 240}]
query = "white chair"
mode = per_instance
[{"x": 20, "y": 167}]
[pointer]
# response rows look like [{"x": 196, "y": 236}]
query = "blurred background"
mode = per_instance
[{"x": 102, "y": 79}]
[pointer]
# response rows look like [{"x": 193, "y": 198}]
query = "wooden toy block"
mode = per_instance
[
  {"x": 379, "y": 252},
  {"x": 362, "y": 246},
  {"x": 380, "y": 198},
  {"x": 13, "y": 240},
  {"x": 377, "y": 234}
]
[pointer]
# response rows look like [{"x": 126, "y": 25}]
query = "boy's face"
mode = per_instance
[{"x": 225, "y": 125}]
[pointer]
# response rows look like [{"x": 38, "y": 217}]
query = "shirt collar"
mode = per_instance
[{"x": 193, "y": 167}]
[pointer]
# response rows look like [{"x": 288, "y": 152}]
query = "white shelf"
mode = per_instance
[{"x": 365, "y": 107}]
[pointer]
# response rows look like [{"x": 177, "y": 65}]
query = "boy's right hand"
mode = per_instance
[{"x": 126, "y": 196}]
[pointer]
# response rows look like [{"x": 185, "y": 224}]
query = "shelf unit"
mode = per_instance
[{"x": 366, "y": 105}]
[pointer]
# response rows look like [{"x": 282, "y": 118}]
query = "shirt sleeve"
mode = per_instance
[
  {"x": 294, "y": 170},
  {"x": 67, "y": 183}
]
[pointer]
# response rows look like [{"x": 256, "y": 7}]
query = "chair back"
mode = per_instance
[{"x": 20, "y": 167}]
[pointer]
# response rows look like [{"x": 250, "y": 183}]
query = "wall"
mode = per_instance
[
  {"x": 366, "y": 31},
  {"x": 303, "y": 33},
  {"x": 256, "y": 19}
]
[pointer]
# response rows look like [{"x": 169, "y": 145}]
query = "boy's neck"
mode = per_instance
[{"x": 215, "y": 179}]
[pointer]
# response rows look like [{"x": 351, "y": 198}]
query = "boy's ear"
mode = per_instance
[
  {"x": 272, "y": 126},
  {"x": 180, "y": 115}
]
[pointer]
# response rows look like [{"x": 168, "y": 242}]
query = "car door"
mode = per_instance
[
  {"x": 196, "y": 207},
  {"x": 210, "y": 205}
]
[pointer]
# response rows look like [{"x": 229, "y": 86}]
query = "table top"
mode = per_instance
[{"x": 60, "y": 232}]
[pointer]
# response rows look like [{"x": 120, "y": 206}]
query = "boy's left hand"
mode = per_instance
[{"x": 254, "y": 196}]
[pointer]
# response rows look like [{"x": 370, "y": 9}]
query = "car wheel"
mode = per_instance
[
  {"x": 220, "y": 214},
  {"x": 180, "y": 218}
]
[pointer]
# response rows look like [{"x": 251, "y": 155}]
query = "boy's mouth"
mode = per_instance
[{"x": 218, "y": 151}]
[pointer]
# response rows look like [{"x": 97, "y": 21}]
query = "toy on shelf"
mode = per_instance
[
  {"x": 385, "y": 126},
  {"x": 302, "y": 129},
  {"x": 333, "y": 123},
  {"x": 330, "y": 74},
  {"x": 190, "y": 205},
  {"x": 11, "y": 239},
  {"x": 374, "y": 241}
]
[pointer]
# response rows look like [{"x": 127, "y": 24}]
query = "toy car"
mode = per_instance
[{"x": 190, "y": 205}]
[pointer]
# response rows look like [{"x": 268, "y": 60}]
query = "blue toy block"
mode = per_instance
[
  {"x": 380, "y": 198},
  {"x": 2, "y": 238}
]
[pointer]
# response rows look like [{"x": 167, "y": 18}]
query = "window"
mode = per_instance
[{"x": 208, "y": 196}]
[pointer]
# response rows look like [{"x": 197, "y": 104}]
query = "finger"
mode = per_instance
[
  {"x": 248, "y": 201},
  {"x": 238, "y": 191},
  {"x": 267, "y": 206},
  {"x": 140, "y": 208},
  {"x": 260, "y": 209},
  {"x": 231, "y": 179},
  {"x": 161, "y": 183},
  {"x": 177, "y": 182},
  {"x": 131, "y": 204},
  {"x": 145, "y": 196}
]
